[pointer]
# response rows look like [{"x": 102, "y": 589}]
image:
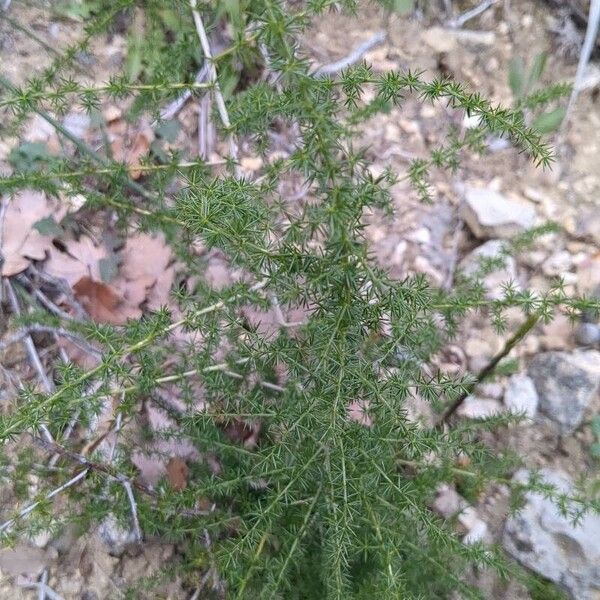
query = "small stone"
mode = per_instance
[
  {"x": 42, "y": 539},
  {"x": 587, "y": 226},
  {"x": 543, "y": 540},
  {"x": 587, "y": 334},
  {"x": 251, "y": 164},
  {"x": 437, "y": 39},
  {"x": 422, "y": 265},
  {"x": 493, "y": 281},
  {"x": 38, "y": 130},
  {"x": 477, "y": 533},
  {"x": 557, "y": 264},
  {"x": 490, "y": 215},
  {"x": 491, "y": 390},
  {"x": 399, "y": 252},
  {"x": 23, "y": 559},
  {"x": 77, "y": 124},
  {"x": 477, "y": 38},
  {"x": 556, "y": 334},
  {"x": 534, "y": 194},
  {"x": 420, "y": 236},
  {"x": 498, "y": 144},
  {"x": 475, "y": 527},
  {"x": 479, "y": 351},
  {"x": 521, "y": 396},
  {"x": 112, "y": 113},
  {"x": 479, "y": 408},
  {"x": 115, "y": 537},
  {"x": 448, "y": 502},
  {"x": 471, "y": 121},
  {"x": 566, "y": 383}
]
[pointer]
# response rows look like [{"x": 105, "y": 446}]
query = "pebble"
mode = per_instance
[
  {"x": 491, "y": 390},
  {"x": 557, "y": 264},
  {"x": 476, "y": 528},
  {"x": 493, "y": 281},
  {"x": 490, "y": 215},
  {"x": 420, "y": 236},
  {"x": 587, "y": 226},
  {"x": 566, "y": 383},
  {"x": 448, "y": 502},
  {"x": 23, "y": 559},
  {"x": 114, "y": 536},
  {"x": 77, "y": 124},
  {"x": 521, "y": 396},
  {"x": 479, "y": 408},
  {"x": 544, "y": 541},
  {"x": 587, "y": 334}
]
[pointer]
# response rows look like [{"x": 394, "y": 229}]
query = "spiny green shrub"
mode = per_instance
[{"x": 324, "y": 505}]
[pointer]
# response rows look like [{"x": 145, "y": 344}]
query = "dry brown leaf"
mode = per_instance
[
  {"x": 81, "y": 259},
  {"x": 145, "y": 274},
  {"x": 145, "y": 254},
  {"x": 177, "y": 473},
  {"x": 243, "y": 432},
  {"x": 152, "y": 461},
  {"x": 20, "y": 241},
  {"x": 79, "y": 266},
  {"x": 102, "y": 302},
  {"x": 131, "y": 152}
]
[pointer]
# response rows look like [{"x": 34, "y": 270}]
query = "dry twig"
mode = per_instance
[
  {"x": 586, "y": 53},
  {"x": 352, "y": 58},
  {"x": 34, "y": 357},
  {"x": 212, "y": 76},
  {"x": 55, "y": 492},
  {"x": 471, "y": 14},
  {"x": 25, "y": 332},
  {"x": 136, "y": 524},
  {"x": 174, "y": 107}
]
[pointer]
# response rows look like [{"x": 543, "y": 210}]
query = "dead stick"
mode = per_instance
[{"x": 525, "y": 328}]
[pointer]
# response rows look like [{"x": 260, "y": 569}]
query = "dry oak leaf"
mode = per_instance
[
  {"x": 131, "y": 152},
  {"x": 147, "y": 272},
  {"x": 20, "y": 242},
  {"x": 79, "y": 266},
  {"x": 152, "y": 461},
  {"x": 102, "y": 303},
  {"x": 80, "y": 259},
  {"x": 177, "y": 473}
]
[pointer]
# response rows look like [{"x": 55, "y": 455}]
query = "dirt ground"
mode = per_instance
[{"x": 418, "y": 238}]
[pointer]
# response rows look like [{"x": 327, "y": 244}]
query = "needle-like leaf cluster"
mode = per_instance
[{"x": 332, "y": 498}]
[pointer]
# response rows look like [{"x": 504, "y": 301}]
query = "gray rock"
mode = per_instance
[
  {"x": 493, "y": 281},
  {"x": 479, "y": 408},
  {"x": 587, "y": 334},
  {"x": 566, "y": 383},
  {"x": 114, "y": 536},
  {"x": 77, "y": 123},
  {"x": 587, "y": 226},
  {"x": 448, "y": 502},
  {"x": 549, "y": 544},
  {"x": 490, "y": 215},
  {"x": 521, "y": 396},
  {"x": 23, "y": 559}
]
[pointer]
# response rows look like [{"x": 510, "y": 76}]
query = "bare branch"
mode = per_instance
[
  {"x": 174, "y": 107},
  {"x": 212, "y": 75},
  {"x": 25, "y": 332},
  {"x": 136, "y": 524},
  {"x": 586, "y": 53},
  {"x": 352, "y": 58},
  {"x": 471, "y": 14},
  {"x": 8, "y": 524},
  {"x": 33, "y": 355}
]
